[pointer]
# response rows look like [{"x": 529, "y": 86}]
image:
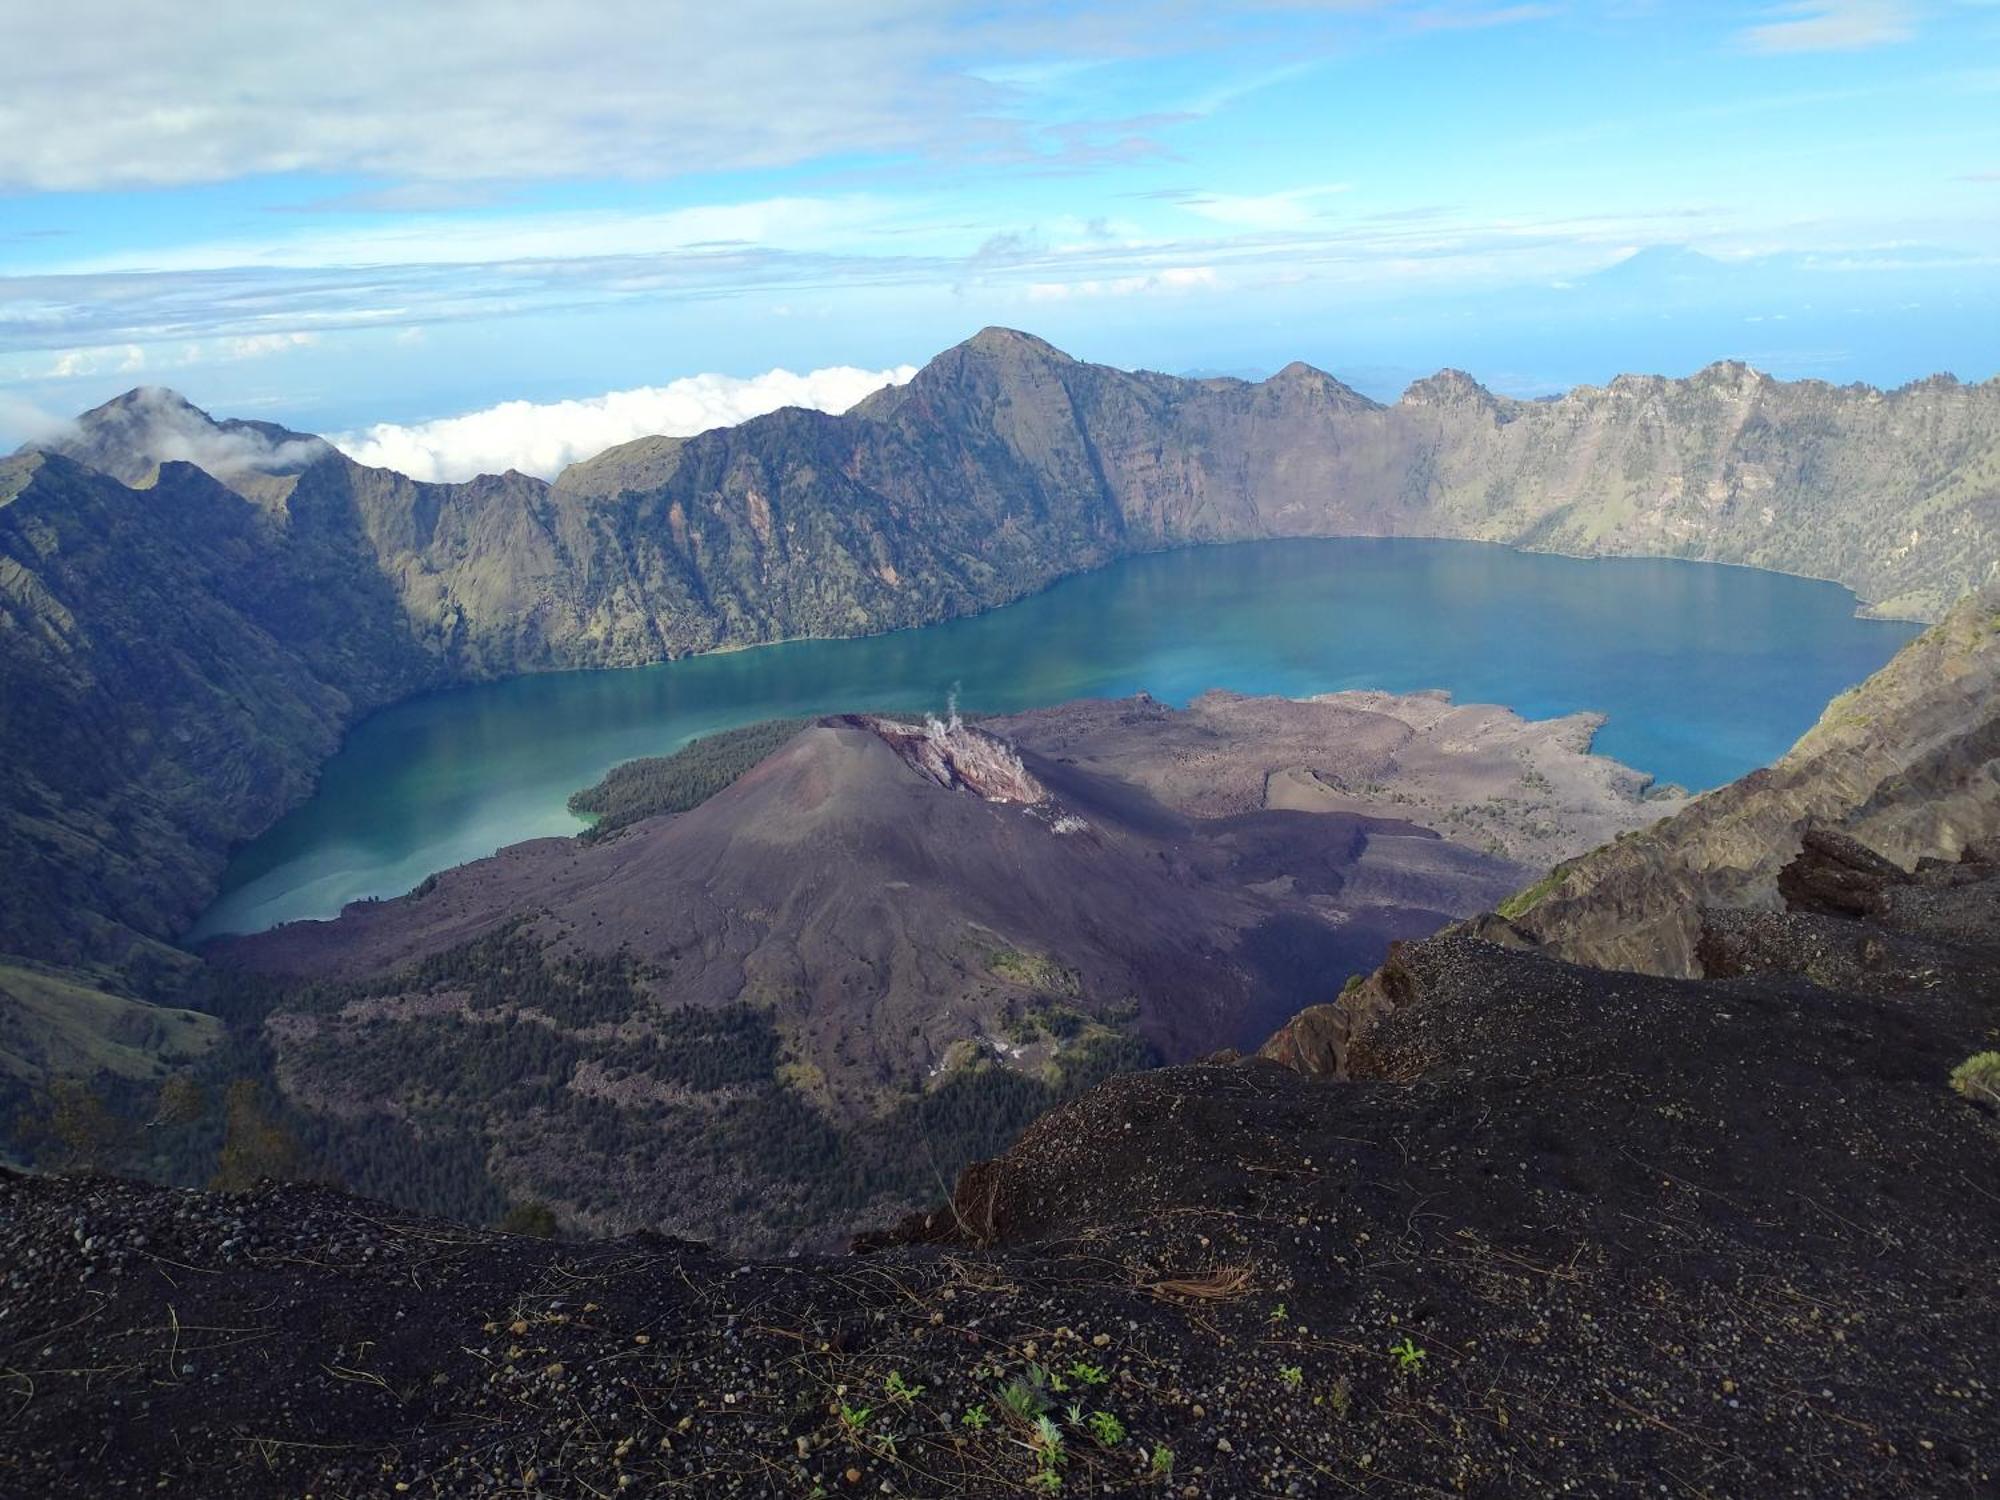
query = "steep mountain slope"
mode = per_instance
[
  {"x": 1002, "y": 466},
  {"x": 172, "y": 674},
  {"x": 1020, "y": 461},
  {"x": 1896, "y": 494},
  {"x": 132, "y": 436},
  {"x": 873, "y": 905}
]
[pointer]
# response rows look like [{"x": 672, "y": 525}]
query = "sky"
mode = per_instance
[{"x": 473, "y": 234}]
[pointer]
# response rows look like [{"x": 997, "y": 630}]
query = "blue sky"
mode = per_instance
[{"x": 388, "y": 213}]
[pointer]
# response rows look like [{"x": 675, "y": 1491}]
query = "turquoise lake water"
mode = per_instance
[{"x": 1704, "y": 672}]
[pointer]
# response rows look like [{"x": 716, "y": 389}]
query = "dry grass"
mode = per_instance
[{"x": 1224, "y": 1284}]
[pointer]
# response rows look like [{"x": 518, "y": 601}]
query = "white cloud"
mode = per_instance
[
  {"x": 25, "y": 420},
  {"x": 466, "y": 90},
  {"x": 1478, "y": 18},
  {"x": 257, "y": 345},
  {"x": 1172, "y": 279},
  {"x": 1294, "y": 208},
  {"x": 434, "y": 105},
  {"x": 545, "y": 437},
  {"x": 72, "y": 364},
  {"x": 431, "y": 240},
  {"x": 130, "y": 359},
  {"x": 1832, "y": 26},
  {"x": 45, "y": 312}
]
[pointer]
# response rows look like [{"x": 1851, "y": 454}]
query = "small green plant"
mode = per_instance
[
  {"x": 1046, "y": 1443},
  {"x": 1978, "y": 1077},
  {"x": 1085, "y": 1374},
  {"x": 975, "y": 1417},
  {"x": 1277, "y": 1315},
  {"x": 899, "y": 1389},
  {"x": 854, "y": 1419},
  {"x": 1106, "y": 1428},
  {"x": 1409, "y": 1358},
  {"x": 1025, "y": 1397},
  {"x": 1074, "y": 1411},
  {"x": 1163, "y": 1461},
  {"x": 1017, "y": 1400},
  {"x": 1292, "y": 1375},
  {"x": 1341, "y": 1398}
]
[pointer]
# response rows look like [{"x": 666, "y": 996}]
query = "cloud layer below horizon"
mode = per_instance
[{"x": 544, "y": 438}]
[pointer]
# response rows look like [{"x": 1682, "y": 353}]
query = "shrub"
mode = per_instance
[
  {"x": 255, "y": 1143},
  {"x": 1978, "y": 1077},
  {"x": 535, "y": 1219}
]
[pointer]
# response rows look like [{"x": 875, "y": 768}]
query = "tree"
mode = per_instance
[
  {"x": 254, "y": 1144},
  {"x": 74, "y": 1128},
  {"x": 181, "y": 1101}
]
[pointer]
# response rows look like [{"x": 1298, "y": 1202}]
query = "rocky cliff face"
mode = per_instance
[{"x": 187, "y": 561}]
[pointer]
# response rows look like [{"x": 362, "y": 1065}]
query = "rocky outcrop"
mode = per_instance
[
  {"x": 960, "y": 758},
  {"x": 1837, "y": 876},
  {"x": 1908, "y": 765}
]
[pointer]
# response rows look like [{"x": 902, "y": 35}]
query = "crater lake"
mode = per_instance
[{"x": 1702, "y": 671}]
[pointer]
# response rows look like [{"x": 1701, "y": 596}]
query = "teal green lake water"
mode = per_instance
[{"x": 1704, "y": 672}]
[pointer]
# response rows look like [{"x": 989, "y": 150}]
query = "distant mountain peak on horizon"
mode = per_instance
[
  {"x": 145, "y": 396},
  {"x": 130, "y": 436},
  {"x": 1665, "y": 260},
  {"x": 996, "y": 338},
  {"x": 1311, "y": 381},
  {"x": 1448, "y": 387}
]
